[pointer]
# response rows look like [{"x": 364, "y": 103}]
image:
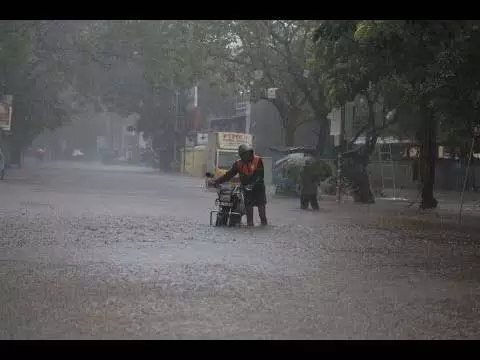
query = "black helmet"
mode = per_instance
[{"x": 244, "y": 148}]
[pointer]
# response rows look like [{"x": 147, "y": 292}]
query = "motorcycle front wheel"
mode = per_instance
[{"x": 222, "y": 219}]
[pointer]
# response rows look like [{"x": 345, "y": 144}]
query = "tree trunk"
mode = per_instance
[
  {"x": 288, "y": 137},
  {"x": 472, "y": 179},
  {"x": 364, "y": 192},
  {"x": 290, "y": 126},
  {"x": 359, "y": 160},
  {"x": 355, "y": 170},
  {"x": 428, "y": 155}
]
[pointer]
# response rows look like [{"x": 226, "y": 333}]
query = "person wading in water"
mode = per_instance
[{"x": 251, "y": 172}]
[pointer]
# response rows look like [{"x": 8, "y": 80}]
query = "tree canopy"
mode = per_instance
[
  {"x": 432, "y": 65},
  {"x": 34, "y": 69},
  {"x": 274, "y": 54}
]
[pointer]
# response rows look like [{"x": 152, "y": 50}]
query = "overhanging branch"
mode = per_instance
[{"x": 375, "y": 131}]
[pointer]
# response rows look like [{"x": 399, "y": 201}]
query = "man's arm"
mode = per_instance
[
  {"x": 259, "y": 173},
  {"x": 227, "y": 176}
]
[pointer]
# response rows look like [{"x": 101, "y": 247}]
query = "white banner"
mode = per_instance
[
  {"x": 231, "y": 141},
  {"x": 5, "y": 116},
  {"x": 334, "y": 118}
]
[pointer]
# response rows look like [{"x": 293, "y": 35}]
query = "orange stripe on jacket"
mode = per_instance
[{"x": 248, "y": 168}]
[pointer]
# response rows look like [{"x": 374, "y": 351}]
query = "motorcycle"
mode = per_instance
[{"x": 231, "y": 204}]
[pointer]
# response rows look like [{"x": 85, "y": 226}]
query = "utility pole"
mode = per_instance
[
  {"x": 176, "y": 127},
  {"x": 109, "y": 132},
  {"x": 248, "y": 110},
  {"x": 341, "y": 149},
  {"x": 476, "y": 133}
]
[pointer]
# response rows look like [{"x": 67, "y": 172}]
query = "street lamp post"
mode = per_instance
[
  {"x": 341, "y": 149},
  {"x": 175, "y": 127},
  {"x": 476, "y": 133}
]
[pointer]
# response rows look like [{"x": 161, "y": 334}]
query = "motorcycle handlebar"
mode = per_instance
[{"x": 248, "y": 187}]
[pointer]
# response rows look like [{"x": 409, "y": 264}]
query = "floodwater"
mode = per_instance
[{"x": 94, "y": 252}]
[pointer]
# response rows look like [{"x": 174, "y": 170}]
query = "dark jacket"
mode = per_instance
[
  {"x": 2, "y": 160},
  {"x": 309, "y": 180},
  {"x": 248, "y": 176}
]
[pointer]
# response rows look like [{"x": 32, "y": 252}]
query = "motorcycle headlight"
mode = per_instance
[{"x": 225, "y": 198}]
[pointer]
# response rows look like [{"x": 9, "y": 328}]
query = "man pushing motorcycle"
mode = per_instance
[{"x": 251, "y": 172}]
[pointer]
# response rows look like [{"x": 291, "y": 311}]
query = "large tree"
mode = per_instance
[
  {"x": 168, "y": 53},
  {"x": 433, "y": 57},
  {"x": 280, "y": 51},
  {"x": 355, "y": 72},
  {"x": 35, "y": 70},
  {"x": 178, "y": 54}
]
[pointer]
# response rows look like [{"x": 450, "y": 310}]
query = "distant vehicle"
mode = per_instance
[
  {"x": 40, "y": 153},
  {"x": 78, "y": 154}
]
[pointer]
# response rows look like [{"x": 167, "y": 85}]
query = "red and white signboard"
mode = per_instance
[
  {"x": 5, "y": 115},
  {"x": 231, "y": 141}
]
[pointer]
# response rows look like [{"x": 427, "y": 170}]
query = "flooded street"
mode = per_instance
[{"x": 95, "y": 252}]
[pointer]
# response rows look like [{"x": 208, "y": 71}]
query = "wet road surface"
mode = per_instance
[{"x": 88, "y": 252}]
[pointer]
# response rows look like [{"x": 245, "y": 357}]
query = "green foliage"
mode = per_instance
[
  {"x": 407, "y": 65},
  {"x": 354, "y": 70},
  {"x": 119, "y": 64},
  {"x": 320, "y": 169},
  {"x": 15, "y": 46},
  {"x": 35, "y": 74},
  {"x": 282, "y": 50},
  {"x": 437, "y": 62},
  {"x": 170, "y": 52}
]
